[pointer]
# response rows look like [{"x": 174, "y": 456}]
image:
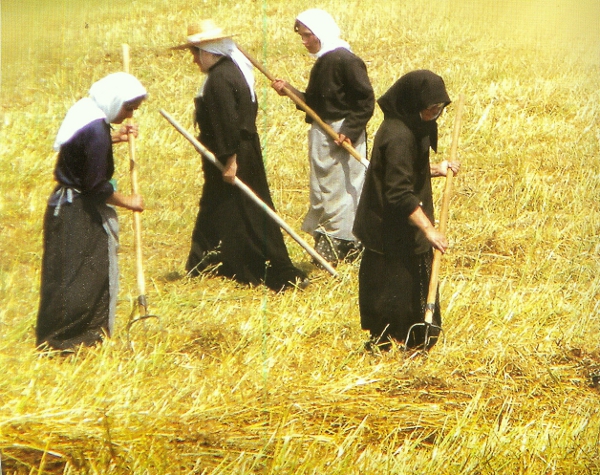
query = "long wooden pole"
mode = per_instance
[
  {"x": 137, "y": 225},
  {"x": 248, "y": 191},
  {"x": 437, "y": 254},
  {"x": 299, "y": 102}
]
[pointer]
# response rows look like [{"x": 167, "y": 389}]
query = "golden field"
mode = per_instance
[{"x": 235, "y": 380}]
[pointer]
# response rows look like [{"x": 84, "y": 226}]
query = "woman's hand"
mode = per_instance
[
  {"x": 284, "y": 88},
  {"x": 122, "y": 134},
  {"x": 441, "y": 169},
  {"x": 341, "y": 139},
  {"x": 136, "y": 203},
  {"x": 421, "y": 221},
  {"x": 437, "y": 239},
  {"x": 279, "y": 85},
  {"x": 230, "y": 170},
  {"x": 130, "y": 202}
]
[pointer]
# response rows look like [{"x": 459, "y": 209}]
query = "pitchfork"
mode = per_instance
[
  {"x": 142, "y": 302},
  {"x": 437, "y": 254}
]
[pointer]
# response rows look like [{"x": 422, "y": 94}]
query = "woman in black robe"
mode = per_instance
[
  {"x": 231, "y": 234},
  {"x": 79, "y": 281},
  {"x": 395, "y": 215}
]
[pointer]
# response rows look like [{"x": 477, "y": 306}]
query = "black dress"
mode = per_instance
[
  {"x": 78, "y": 291},
  {"x": 396, "y": 265},
  {"x": 231, "y": 231}
]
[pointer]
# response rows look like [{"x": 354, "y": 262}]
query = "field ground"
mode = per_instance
[{"x": 232, "y": 380}]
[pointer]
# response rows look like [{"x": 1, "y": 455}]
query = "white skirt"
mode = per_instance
[{"x": 336, "y": 180}]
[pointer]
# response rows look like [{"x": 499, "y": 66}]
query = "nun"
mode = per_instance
[
  {"x": 340, "y": 92},
  {"x": 395, "y": 216},
  {"x": 79, "y": 281},
  {"x": 232, "y": 237}
]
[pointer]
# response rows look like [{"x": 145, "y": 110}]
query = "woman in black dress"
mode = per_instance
[
  {"x": 395, "y": 215},
  {"x": 79, "y": 267},
  {"x": 231, "y": 232}
]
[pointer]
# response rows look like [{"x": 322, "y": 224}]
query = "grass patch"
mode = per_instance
[{"x": 232, "y": 379}]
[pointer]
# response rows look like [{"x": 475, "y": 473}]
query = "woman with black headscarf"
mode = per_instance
[{"x": 395, "y": 218}]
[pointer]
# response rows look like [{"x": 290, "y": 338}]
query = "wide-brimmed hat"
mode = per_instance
[{"x": 202, "y": 32}]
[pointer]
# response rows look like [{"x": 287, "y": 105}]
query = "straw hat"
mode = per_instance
[{"x": 202, "y": 32}]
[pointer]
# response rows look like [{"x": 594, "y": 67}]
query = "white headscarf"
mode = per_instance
[
  {"x": 226, "y": 47},
  {"x": 107, "y": 97},
  {"x": 323, "y": 27}
]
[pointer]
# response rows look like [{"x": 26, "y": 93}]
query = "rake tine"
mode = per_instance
[
  {"x": 427, "y": 344},
  {"x": 143, "y": 316},
  {"x": 428, "y": 324}
]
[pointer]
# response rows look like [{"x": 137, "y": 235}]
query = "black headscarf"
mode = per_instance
[{"x": 412, "y": 93}]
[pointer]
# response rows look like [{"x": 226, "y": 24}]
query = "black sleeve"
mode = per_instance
[
  {"x": 221, "y": 102},
  {"x": 399, "y": 175},
  {"x": 98, "y": 162},
  {"x": 360, "y": 97}
]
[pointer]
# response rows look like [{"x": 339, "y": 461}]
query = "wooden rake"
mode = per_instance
[
  {"x": 427, "y": 322},
  {"x": 137, "y": 225},
  {"x": 305, "y": 107},
  {"x": 202, "y": 150}
]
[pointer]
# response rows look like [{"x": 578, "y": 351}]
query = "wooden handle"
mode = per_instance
[
  {"x": 437, "y": 255},
  {"x": 304, "y": 106},
  {"x": 248, "y": 191},
  {"x": 137, "y": 224}
]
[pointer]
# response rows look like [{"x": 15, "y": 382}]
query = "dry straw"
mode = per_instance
[{"x": 236, "y": 380}]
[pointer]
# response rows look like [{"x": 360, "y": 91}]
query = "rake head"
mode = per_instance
[
  {"x": 432, "y": 334},
  {"x": 142, "y": 307},
  {"x": 424, "y": 334}
]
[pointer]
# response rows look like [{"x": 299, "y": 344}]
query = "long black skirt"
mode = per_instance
[
  {"x": 393, "y": 295},
  {"x": 233, "y": 235},
  {"x": 75, "y": 288}
]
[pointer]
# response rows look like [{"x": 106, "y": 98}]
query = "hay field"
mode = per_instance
[{"x": 232, "y": 380}]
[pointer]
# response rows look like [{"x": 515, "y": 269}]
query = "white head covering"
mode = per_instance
[
  {"x": 323, "y": 27},
  {"x": 227, "y": 47},
  {"x": 107, "y": 97}
]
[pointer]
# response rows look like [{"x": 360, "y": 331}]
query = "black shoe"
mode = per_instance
[
  {"x": 349, "y": 251},
  {"x": 326, "y": 247},
  {"x": 303, "y": 284}
]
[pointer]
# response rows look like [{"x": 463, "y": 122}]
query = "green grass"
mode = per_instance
[{"x": 233, "y": 380}]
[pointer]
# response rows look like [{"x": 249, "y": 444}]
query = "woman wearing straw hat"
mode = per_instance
[
  {"x": 340, "y": 92},
  {"x": 230, "y": 231},
  {"x": 394, "y": 220},
  {"x": 79, "y": 266}
]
